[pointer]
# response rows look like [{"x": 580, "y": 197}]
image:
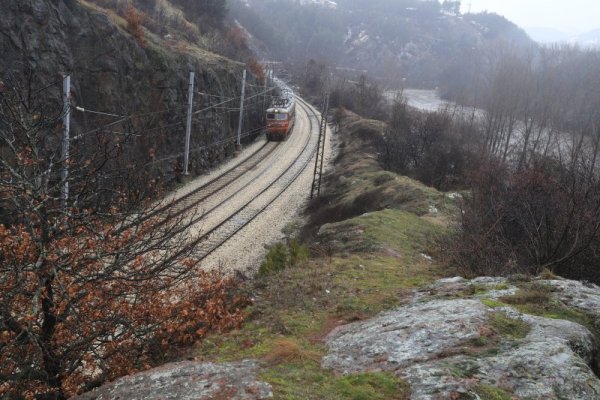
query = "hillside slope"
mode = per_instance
[{"x": 412, "y": 39}]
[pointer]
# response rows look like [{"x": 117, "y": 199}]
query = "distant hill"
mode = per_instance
[
  {"x": 549, "y": 35},
  {"x": 418, "y": 40},
  {"x": 591, "y": 38}
]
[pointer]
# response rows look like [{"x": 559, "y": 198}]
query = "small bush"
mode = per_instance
[
  {"x": 256, "y": 69},
  {"x": 237, "y": 37},
  {"x": 364, "y": 97},
  {"x": 283, "y": 255},
  {"x": 135, "y": 19},
  {"x": 298, "y": 252},
  {"x": 288, "y": 351},
  {"x": 276, "y": 260}
]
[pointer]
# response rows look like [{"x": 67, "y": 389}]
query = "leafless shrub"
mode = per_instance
[
  {"x": 543, "y": 217},
  {"x": 435, "y": 148}
]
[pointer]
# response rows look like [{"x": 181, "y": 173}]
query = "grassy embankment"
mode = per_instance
[
  {"x": 376, "y": 242},
  {"x": 374, "y": 238}
]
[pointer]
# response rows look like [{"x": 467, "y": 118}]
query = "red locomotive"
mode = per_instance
[{"x": 280, "y": 118}]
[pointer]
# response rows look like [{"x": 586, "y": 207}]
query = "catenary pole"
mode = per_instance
[
  {"x": 239, "y": 134},
  {"x": 188, "y": 127},
  {"x": 65, "y": 141},
  {"x": 265, "y": 91}
]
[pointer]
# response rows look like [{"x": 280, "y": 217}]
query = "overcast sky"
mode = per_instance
[{"x": 569, "y": 16}]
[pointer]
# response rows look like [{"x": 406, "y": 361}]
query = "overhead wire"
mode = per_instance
[
  {"x": 121, "y": 120},
  {"x": 124, "y": 118},
  {"x": 200, "y": 148}
]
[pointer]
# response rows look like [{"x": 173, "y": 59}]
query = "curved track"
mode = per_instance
[{"x": 220, "y": 198}]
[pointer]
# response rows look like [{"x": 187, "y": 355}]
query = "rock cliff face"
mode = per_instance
[{"x": 111, "y": 72}]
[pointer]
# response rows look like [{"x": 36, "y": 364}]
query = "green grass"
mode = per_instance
[
  {"x": 401, "y": 231},
  {"x": 493, "y": 303},
  {"x": 302, "y": 304},
  {"x": 382, "y": 189},
  {"x": 307, "y": 381},
  {"x": 555, "y": 310}
]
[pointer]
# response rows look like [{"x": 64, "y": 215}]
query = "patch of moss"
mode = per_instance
[
  {"x": 500, "y": 286},
  {"x": 556, "y": 310},
  {"x": 510, "y": 327},
  {"x": 462, "y": 370},
  {"x": 535, "y": 298},
  {"x": 400, "y": 230},
  {"x": 486, "y": 392},
  {"x": 493, "y": 303},
  {"x": 372, "y": 386},
  {"x": 252, "y": 341}
]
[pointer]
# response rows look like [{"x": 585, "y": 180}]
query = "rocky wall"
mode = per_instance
[{"x": 112, "y": 72}]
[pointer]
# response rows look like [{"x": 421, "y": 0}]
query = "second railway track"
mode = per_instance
[{"x": 238, "y": 217}]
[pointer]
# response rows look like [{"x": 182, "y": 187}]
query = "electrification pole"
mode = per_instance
[
  {"x": 188, "y": 127},
  {"x": 265, "y": 91},
  {"x": 239, "y": 133},
  {"x": 65, "y": 141}
]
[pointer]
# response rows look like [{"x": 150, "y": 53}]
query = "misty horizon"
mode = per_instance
[{"x": 570, "y": 18}]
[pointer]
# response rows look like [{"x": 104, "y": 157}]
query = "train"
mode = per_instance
[{"x": 281, "y": 116}]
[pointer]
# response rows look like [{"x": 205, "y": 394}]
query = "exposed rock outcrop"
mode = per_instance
[
  {"x": 579, "y": 295},
  {"x": 186, "y": 381},
  {"x": 446, "y": 346}
]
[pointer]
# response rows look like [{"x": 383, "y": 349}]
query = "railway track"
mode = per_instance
[
  {"x": 189, "y": 201},
  {"x": 242, "y": 215}
]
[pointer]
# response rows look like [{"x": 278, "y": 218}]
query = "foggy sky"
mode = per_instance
[{"x": 569, "y": 16}]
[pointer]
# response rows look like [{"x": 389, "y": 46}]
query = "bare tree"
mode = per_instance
[{"x": 94, "y": 288}]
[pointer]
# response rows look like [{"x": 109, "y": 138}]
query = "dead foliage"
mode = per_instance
[
  {"x": 135, "y": 21},
  {"x": 287, "y": 350}
]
